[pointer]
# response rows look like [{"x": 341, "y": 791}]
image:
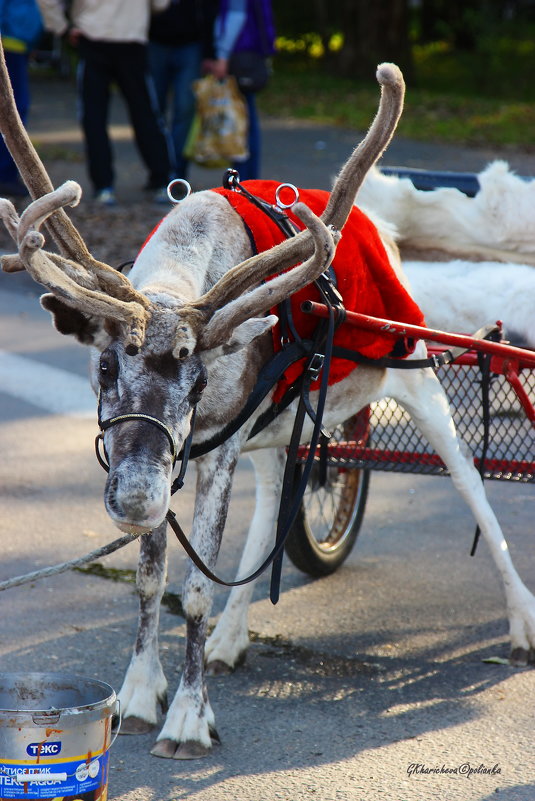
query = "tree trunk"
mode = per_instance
[{"x": 374, "y": 31}]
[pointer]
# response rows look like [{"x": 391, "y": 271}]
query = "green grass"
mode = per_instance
[{"x": 305, "y": 91}]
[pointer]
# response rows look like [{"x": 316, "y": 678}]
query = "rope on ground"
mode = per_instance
[{"x": 61, "y": 568}]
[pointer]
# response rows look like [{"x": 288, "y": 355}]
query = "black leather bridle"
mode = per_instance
[{"x": 104, "y": 425}]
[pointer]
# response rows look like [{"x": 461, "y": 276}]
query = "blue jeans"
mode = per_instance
[
  {"x": 250, "y": 168},
  {"x": 173, "y": 69},
  {"x": 17, "y": 67}
]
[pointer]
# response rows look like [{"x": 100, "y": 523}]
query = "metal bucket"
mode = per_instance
[{"x": 55, "y": 734}]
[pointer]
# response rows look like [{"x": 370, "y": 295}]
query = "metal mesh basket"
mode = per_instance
[{"x": 395, "y": 444}]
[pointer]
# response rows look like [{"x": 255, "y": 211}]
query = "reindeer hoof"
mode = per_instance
[
  {"x": 191, "y": 750},
  {"x": 169, "y": 749},
  {"x": 218, "y": 668},
  {"x": 520, "y": 657},
  {"x": 135, "y": 725},
  {"x": 164, "y": 748}
]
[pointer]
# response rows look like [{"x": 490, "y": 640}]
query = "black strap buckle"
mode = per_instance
[
  {"x": 315, "y": 364},
  {"x": 178, "y": 483}
]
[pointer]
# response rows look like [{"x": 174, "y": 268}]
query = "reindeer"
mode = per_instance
[{"x": 184, "y": 330}]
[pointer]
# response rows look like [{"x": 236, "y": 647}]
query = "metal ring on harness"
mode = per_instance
[
  {"x": 278, "y": 200},
  {"x": 183, "y": 183},
  {"x": 231, "y": 179}
]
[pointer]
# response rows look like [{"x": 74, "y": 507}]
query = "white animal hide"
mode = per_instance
[
  {"x": 501, "y": 216},
  {"x": 462, "y": 296}
]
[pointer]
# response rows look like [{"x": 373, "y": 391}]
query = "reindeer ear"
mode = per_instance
[
  {"x": 242, "y": 336},
  {"x": 87, "y": 330}
]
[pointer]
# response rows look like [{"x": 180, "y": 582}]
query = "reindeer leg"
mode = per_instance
[
  {"x": 144, "y": 686},
  {"x": 421, "y": 394},
  {"x": 227, "y": 645},
  {"x": 189, "y": 728}
]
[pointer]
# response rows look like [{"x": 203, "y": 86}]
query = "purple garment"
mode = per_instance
[{"x": 258, "y": 33}]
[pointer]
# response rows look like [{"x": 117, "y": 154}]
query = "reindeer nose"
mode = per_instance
[{"x": 133, "y": 506}]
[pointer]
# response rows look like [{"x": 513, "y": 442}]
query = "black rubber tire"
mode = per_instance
[{"x": 329, "y": 520}]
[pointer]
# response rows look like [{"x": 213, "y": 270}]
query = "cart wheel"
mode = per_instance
[{"x": 329, "y": 519}]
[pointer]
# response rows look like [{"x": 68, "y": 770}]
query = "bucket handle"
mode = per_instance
[
  {"x": 46, "y": 718},
  {"x": 116, "y": 721}
]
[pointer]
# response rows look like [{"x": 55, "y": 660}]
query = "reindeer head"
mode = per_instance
[
  {"x": 151, "y": 352},
  {"x": 153, "y": 349}
]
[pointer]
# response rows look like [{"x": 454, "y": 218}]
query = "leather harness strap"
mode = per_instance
[
  {"x": 318, "y": 352},
  {"x": 284, "y": 524}
]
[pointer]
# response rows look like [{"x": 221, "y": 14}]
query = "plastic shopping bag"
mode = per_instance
[{"x": 219, "y": 132}]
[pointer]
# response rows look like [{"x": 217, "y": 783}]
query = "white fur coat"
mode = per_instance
[{"x": 474, "y": 255}]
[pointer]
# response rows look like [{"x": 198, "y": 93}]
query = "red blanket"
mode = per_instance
[{"x": 364, "y": 276}]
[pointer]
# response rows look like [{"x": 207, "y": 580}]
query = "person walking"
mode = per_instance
[
  {"x": 244, "y": 25},
  {"x": 180, "y": 39},
  {"x": 20, "y": 29},
  {"x": 111, "y": 38}
]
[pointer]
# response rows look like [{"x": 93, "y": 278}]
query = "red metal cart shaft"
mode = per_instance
[{"x": 526, "y": 358}]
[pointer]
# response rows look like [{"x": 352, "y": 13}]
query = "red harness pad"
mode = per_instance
[{"x": 364, "y": 278}]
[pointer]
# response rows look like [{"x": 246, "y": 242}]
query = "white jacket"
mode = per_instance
[{"x": 103, "y": 20}]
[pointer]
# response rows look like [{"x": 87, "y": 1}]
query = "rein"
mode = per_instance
[{"x": 319, "y": 352}]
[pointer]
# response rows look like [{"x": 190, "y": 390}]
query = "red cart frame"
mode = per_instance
[
  {"x": 383, "y": 437},
  {"x": 500, "y": 432},
  {"x": 397, "y": 445}
]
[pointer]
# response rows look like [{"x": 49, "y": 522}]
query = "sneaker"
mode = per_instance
[
  {"x": 106, "y": 197},
  {"x": 160, "y": 196}
]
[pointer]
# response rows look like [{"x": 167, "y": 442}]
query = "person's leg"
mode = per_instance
[
  {"x": 160, "y": 59},
  {"x": 250, "y": 168},
  {"x": 17, "y": 67},
  {"x": 161, "y": 69},
  {"x": 186, "y": 69},
  {"x": 135, "y": 82},
  {"x": 94, "y": 80}
]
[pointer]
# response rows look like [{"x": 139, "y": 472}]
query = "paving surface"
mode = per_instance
[{"x": 350, "y": 680}]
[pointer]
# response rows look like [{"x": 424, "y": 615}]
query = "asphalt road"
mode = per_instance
[{"x": 352, "y": 679}]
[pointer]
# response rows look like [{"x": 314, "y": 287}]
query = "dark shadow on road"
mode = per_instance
[{"x": 272, "y": 706}]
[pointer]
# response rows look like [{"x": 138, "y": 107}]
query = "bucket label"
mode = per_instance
[
  {"x": 43, "y": 749},
  {"x": 76, "y": 779}
]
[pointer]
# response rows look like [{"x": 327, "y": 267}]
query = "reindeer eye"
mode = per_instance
[
  {"x": 198, "y": 387},
  {"x": 108, "y": 366}
]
